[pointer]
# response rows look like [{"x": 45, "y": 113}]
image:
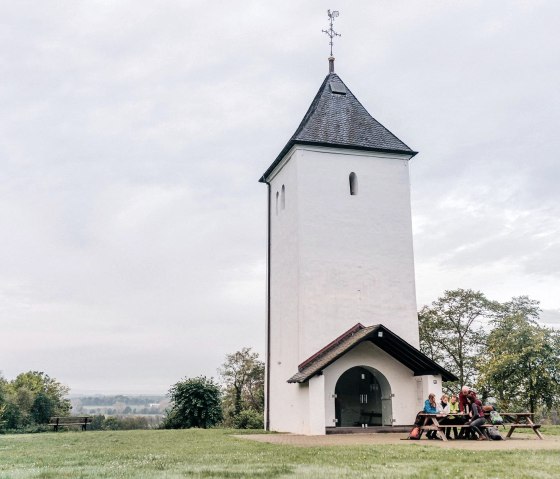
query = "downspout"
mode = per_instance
[{"x": 267, "y": 393}]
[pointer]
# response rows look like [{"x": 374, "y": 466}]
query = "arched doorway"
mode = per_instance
[{"x": 363, "y": 398}]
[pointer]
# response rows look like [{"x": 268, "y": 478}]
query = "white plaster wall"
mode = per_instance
[
  {"x": 356, "y": 259},
  {"x": 287, "y": 403},
  {"x": 335, "y": 260},
  {"x": 400, "y": 378},
  {"x": 316, "y": 406}
]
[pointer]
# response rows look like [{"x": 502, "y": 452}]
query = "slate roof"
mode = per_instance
[
  {"x": 389, "y": 342},
  {"x": 337, "y": 118}
]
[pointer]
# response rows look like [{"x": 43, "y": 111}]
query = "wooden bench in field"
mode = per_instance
[
  {"x": 513, "y": 420},
  {"x": 65, "y": 421}
]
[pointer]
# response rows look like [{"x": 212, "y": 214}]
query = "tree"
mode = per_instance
[
  {"x": 452, "y": 333},
  {"x": 42, "y": 408},
  {"x": 195, "y": 402},
  {"x": 26, "y": 386},
  {"x": 522, "y": 367},
  {"x": 32, "y": 397},
  {"x": 242, "y": 376},
  {"x": 3, "y": 394}
]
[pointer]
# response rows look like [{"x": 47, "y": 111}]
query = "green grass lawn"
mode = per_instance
[{"x": 216, "y": 454}]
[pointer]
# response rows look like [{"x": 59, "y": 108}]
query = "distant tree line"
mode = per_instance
[
  {"x": 112, "y": 400},
  {"x": 500, "y": 349}
]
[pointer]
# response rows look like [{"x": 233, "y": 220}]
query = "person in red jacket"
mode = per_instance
[
  {"x": 464, "y": 407},
  {"x": 463, "y": 402}
]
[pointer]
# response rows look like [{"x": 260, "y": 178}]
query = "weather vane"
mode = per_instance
[{"x": 330, "y": 32}]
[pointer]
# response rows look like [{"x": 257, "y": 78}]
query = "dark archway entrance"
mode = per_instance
[{"x": 363, "y": 398}]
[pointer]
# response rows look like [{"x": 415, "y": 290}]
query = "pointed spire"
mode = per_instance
[{"x": 337, "y": 119}]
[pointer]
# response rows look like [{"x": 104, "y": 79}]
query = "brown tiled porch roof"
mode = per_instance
[{"x": 398, "y": 348}]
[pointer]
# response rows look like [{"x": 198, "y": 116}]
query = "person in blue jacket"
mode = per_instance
[{"x": 430, "y": 407}]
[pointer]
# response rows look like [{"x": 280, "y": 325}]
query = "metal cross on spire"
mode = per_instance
[{"x": 330, "y": 32}]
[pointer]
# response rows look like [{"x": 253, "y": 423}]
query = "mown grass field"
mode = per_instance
[{"x": 216, "y": 454}]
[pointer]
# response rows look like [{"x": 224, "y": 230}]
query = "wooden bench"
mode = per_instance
[
  {"x": 66, "y": 421},
  {"x": 515, "y": 420}
]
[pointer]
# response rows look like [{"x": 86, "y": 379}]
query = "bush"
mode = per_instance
[
  {"x": 248, "y": 419},
  {"x": 117, "y": 423},
  {"x": 196, "y": 402}
]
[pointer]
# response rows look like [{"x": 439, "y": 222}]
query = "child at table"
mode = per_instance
[{"x": 451, "y": 408}]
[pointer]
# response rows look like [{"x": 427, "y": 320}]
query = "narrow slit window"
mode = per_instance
[
  {"x": 283, "y": 197},
  {"x": 353, "y": 184},
  {"x": 277, "y": 195}
]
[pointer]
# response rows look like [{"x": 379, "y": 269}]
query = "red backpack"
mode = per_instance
[{"x": 415, "y": 433}]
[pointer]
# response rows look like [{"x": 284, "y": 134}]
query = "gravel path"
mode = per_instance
[{"x": 517, "y": 441}]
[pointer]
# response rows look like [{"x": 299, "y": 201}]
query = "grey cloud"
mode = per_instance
[{"x": 132, "y": 136}]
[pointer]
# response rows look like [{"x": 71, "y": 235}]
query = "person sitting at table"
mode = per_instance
[
  {"x": 453, "y": 409},
  {"x": 444, "y": 408},
  {"x": 430, "y": 407},
  {"x": 477, "y": 417}
]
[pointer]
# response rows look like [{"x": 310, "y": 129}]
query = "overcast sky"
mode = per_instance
[{"x": 133, "y": 133}]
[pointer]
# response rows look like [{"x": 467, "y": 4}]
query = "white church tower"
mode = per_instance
[{"x": 342, "y": 327}]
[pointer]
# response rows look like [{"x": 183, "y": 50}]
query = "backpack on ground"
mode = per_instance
[
  {"x": 495, "y": 418},
  {"x": 494, "y": 434},
  {"x": 414, "y": 434}
]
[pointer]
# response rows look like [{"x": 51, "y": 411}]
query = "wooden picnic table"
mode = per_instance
[{"x": 522, "y": 420}]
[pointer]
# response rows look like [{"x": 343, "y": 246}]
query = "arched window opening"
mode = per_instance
[
  {"x": 283, "y": 197},
  {"x": 277, "y": 195},
  {"x": 353, "y": 184}
]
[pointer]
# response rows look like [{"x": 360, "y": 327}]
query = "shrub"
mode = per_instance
[
  {"x": 248, "y": 419},
  {"x": 195, "y": 403}
]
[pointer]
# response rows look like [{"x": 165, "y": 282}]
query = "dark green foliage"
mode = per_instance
[
  {"x": 248, "y": 419},
  {"x": 97, "y": 423},
  {"x": 42, "y": 408},
  {"x": 119, "y": 423},
  {"x": 195, "y": 402},
  {"x": 12, "y": 417}
]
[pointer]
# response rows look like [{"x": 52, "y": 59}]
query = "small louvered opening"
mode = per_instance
[{"x": 337, "y": 88}]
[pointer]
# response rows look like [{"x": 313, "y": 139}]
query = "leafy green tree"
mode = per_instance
[
  {"x": 3, "y": 394},
  {"x": 242, "y": 376},
  {"x": 452, "y": 331},
  {"x": 26, "y": 386},
  {"x": 195, "y": 402},
  {"x": 12, "y": 417},
  {"x": 42, "y": 408},
  {"x": 521, "y": 368}
]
